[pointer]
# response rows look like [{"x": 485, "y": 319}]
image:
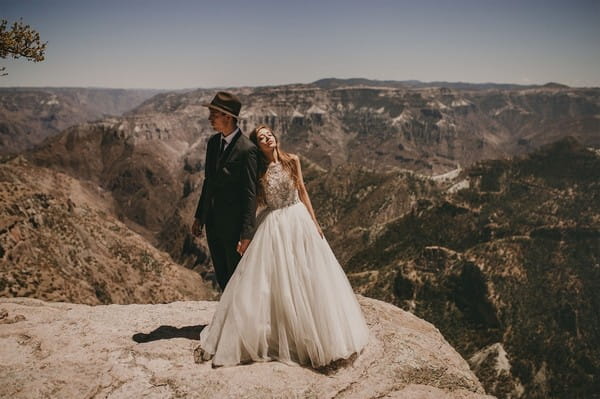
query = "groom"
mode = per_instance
[{"x": 227, "y": 205}]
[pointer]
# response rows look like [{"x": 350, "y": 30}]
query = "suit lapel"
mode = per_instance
[
  {"x": 230, "y": 148},
  {"x": 213, "y": 163}
]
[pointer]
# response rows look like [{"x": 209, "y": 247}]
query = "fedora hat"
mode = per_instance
[{"x": 227, "y": 103}]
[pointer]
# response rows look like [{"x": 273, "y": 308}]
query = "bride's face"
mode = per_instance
[{"x": 266, "y": 140}]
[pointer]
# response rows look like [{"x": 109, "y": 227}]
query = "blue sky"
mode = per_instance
[{"x": 188, "y": 44}]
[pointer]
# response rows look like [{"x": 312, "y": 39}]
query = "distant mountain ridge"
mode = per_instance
[
  {"x": 329, "y": 83},
  {"x": 29, "y": 115}
]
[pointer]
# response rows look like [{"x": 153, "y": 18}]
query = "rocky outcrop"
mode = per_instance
[
  {"x": 429, "y": 130},
  {"x": 59, "y": 241},
  {"x": 354, "y": 203},
  {"x": 29, "y": 115},
  {"x": 150, "y": 163},
  {"x": 151, "y": 159},
  {"x": 507, "y": 269},
  {"x": 117, "y": 351}
]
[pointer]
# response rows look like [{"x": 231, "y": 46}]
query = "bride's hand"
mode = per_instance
[{"x": 242, "y": 245}]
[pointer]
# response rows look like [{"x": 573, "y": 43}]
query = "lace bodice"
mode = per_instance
[{"x": 280, "y": 190}]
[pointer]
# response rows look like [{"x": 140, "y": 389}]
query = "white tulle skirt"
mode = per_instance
[{"x": 288, "y": 300}]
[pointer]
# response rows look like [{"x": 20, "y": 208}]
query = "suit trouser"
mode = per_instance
[{"x": 224, "y": 255}]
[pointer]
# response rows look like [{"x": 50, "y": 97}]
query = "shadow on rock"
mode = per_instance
[{"x": 169, "y": 332}]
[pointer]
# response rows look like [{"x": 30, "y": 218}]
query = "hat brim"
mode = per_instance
[{"x": 208, "y": 105}]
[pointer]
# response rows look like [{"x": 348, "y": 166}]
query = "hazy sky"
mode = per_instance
[{"x": 186, "y": 44}]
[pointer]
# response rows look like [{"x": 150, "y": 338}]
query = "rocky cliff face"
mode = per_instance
[
  {"x": 354, "y": 203},
  {"x": 59, "y": 241},
  {"x": 429, "y": 130},
  {"x": 152, "y": 158},
  {"x": 418, "y": 127},
  {"x": 116, "y": 351},
  {"x": 474, "y": 250},
  {"x": 28, "y": 116},
  {"x": 506, "y": 268},
  {"x": 150, "y": 161}
]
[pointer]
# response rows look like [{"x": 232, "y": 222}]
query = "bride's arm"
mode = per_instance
[{"x": 303, "y": 194}]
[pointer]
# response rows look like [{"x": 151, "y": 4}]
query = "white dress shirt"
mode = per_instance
[{"x": 229, "y": 137}]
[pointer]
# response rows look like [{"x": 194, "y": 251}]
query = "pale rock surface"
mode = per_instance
[{"x": 64, "y": 350}]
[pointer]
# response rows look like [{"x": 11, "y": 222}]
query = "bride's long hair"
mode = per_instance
[{"x": 287, "y": 162}]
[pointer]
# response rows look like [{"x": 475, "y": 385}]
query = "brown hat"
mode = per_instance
[{"x": 227, "y": 103}]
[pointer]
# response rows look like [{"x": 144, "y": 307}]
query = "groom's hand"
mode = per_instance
[
  {"x": 242, "y": 245},
  {"x": 197, "y": 228}
]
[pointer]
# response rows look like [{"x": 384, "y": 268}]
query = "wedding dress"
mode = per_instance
[{"x": 288, "y": 299}]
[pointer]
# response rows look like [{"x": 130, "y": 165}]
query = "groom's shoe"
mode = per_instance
[{"x": 200, "y": 355}]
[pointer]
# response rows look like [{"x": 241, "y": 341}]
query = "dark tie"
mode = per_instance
[{"x": 223, "y": 144}]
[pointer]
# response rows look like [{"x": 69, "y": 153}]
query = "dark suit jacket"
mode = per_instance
[{"x": 229, "y": 190}]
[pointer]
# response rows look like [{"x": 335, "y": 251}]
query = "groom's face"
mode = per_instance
[{"x": 219, "y": 120}]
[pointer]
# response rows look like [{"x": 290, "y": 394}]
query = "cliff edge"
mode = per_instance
[{"x": 56, "y": 349}]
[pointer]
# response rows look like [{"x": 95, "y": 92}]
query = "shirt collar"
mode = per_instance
[{"x": 231, "y": 136}]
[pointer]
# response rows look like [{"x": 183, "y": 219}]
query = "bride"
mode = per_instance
[{"x": 288, "y": 299}]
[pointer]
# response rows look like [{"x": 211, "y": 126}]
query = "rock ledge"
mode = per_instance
[{"x": 51, "y": 349}]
